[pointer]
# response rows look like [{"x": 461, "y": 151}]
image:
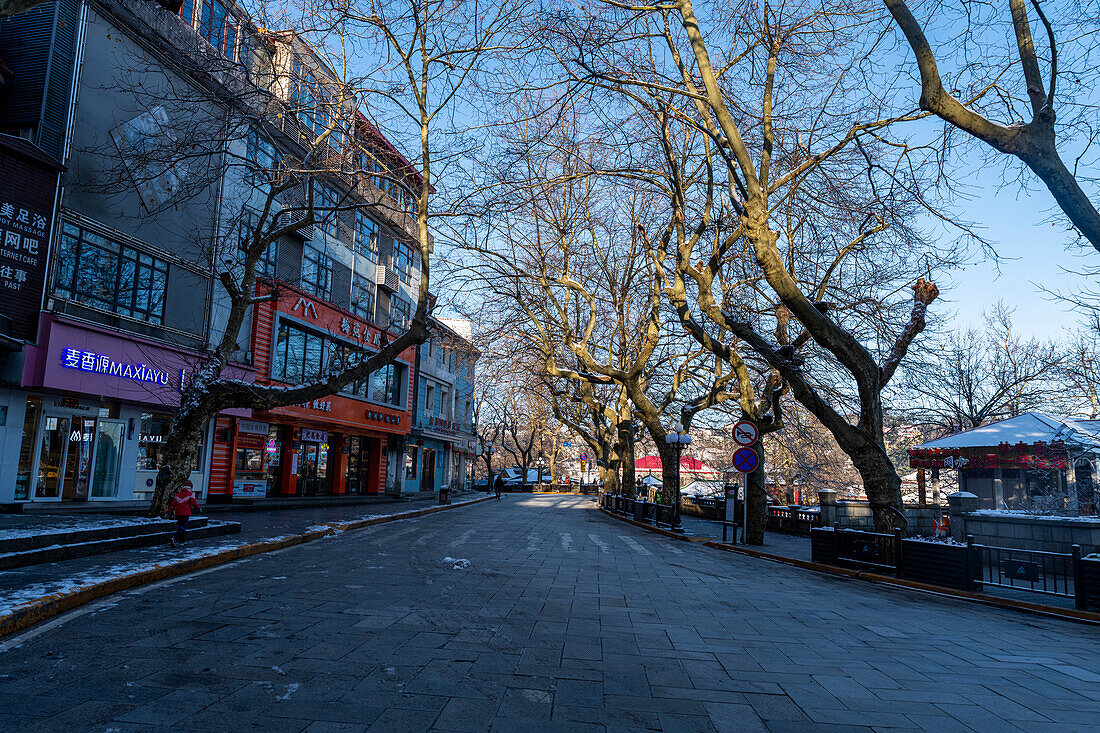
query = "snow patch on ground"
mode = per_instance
[
  {"x": 457, "y": 563},
  {"x": 14, "y": 599},
  {"x": 1020, "y": 514},
  {"x": 16, "y": 526}
]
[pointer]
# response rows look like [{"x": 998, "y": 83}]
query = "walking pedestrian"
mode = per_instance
[
  {"x": 182, "y": 505},
  {"x": 498, "y": 486}
]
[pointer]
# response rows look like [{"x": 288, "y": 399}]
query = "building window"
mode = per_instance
[
  {"x": 316, "y": 271},
  {"x": 325, "y": 202},
  {"x": 314, "y": 104},
  {"x": 366, "y": 236},
  {"x": 262, "y": 162},
  {"x": 187, "y": 11},
  {"x": 429, "y": 400},
  {"x": 249, "y": 223},
  {"x": 400, "y": 313},
  {"x": 102, "y": 273},
  {"x": 218, "y": 26},
  {"x": 403, "y": 260},
  {"x": 152, "y": 439},
  {"x": 362, "y": 297},
  {"x": 386, "y": 384},
  {"x": 298, "y": 355}
]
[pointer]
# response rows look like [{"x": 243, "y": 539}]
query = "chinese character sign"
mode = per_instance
[{"x": 26, "y": 211}]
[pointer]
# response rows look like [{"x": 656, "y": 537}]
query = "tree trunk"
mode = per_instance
[
  {"x": 757, "y": 498},
  {"x": 882, "y": 486},
  {"x": 626, "y": 456},
  {"x": 670, "y": 473},
  {"x": 179, "y": 456}
]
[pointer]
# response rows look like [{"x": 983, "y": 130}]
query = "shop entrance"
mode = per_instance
[
  {"x": 313, "y": 469},
  {"x": 427, "y": 470},
  {"x": 77, "y": 456},
  {"x": 359, "y": 464}
]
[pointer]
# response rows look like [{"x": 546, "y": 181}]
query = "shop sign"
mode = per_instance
[
  {"x": 271, "y": 447},
  {"x": 252, "y": 426},
  {"x": 387, "y": 417},
  {"x": 249, "y": 488},
  {"x": 27, "y": 192},
  {"x": 1039, "y": 456},
  {"x": 89, "y": 361},
  {"x": 314, "y": 436}
]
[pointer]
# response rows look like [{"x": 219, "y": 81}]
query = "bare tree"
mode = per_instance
[
  {"x": 789, "y": 174},
  {"x": 1029, "y": 106},
  {"x": 974, "y": 376}
]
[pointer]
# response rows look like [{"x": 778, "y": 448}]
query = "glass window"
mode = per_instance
[
  {"x": 403, "y": 260},
  {"x": 366, "y": 236},
  {"x": 218, "y": 27},
  {"x": 249, "y": 223},
  {"x": 152, "y": 439},
  {"x": 362, "y": 297},
  {"x": 400, "y": 313},
  {"x": 187, "y": 11},
  {"x": 316, "y": 271},
  {"x": 105, "y": 274},
  {"x": 386, "y": 384},
  {"x": 315, "y": 106},
  {"x": 325, "y": 202},
  {"x": 262, "y": 161}
]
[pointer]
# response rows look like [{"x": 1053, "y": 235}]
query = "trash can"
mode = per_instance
[{"x": 445, "y": 495}]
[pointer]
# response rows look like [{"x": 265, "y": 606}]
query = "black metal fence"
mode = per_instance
[
  {"x": 966, "y": 567},
  {"x": 1052, "y": 573}
]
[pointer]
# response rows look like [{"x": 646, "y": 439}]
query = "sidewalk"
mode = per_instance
[
  {"x": 775, "y": 543},
  {"x": 798, "y": 548},
  {"x": 21, "y": 585}
]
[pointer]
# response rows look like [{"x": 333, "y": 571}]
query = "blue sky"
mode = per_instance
[{"x": 1034, "y": 252}]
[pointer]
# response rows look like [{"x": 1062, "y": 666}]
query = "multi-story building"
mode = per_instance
[
  {"x": 132, "y": 299},
  {"x": 442, "y": 441}
]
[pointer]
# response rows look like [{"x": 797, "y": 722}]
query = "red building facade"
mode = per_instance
[{"x": 338, "y": 445}]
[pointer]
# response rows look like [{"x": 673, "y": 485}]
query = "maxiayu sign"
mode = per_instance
[{"x": 89, "y": 361}]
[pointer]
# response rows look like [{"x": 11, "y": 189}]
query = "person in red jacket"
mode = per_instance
[{"x": 182, "y": 505}]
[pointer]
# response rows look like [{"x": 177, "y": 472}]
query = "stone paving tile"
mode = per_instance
[{"x": 548, "y": 629}]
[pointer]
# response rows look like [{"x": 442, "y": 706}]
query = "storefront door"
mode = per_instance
[
  {"x": 110, "y": 435},
  {"x": 358, "y": 465},
  {"x": 313, "y": 469},
  {"x": 65, "y": 458},
  {"x": 427, "y": 470}
]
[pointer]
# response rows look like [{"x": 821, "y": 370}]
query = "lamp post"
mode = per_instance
[
  {"x": 489, "y": 469},
  {"x": 677, "y": 438}
]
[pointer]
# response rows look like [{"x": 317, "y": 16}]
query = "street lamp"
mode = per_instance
[
  {"x": 677, "y": 438},
  {"x": 489, "y": 472}
]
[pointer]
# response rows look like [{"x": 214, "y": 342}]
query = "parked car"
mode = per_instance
[{"x": 513, "y": 477}]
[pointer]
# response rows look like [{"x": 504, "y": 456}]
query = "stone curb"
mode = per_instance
[
  {"x": 46, "y": 607},
  {"x": 1089, "y": 617}
]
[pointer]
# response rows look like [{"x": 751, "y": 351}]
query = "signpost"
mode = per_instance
[
  {"x": 745, "y": 433},
  {"x": 745, "y": 461}
]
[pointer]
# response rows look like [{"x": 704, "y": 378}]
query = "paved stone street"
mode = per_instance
[{"x": 539, "y": 613}]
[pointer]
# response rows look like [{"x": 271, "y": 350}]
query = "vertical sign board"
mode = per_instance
[{"x": 28, "y": 190}]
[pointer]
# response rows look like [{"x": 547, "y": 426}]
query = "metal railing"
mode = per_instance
[
  {"x": 868, "y": 549},
  {"x": 792, "y": 519},
  {"x": 1051, "y": 573}
]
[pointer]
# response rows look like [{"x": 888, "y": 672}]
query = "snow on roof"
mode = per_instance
[{"x": 1031, "y": 427}]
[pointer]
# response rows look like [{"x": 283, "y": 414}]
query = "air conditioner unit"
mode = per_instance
[
  {"x": 387, "y": 278},
  {"x": 289, "y": 218}
]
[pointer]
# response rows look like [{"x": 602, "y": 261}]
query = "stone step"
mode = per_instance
[
  {"x": 162, "y": 536},
  {"x": 94, "y": 534}
]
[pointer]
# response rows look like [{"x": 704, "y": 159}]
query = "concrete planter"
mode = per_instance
[{"x": 936, "y": 563}]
